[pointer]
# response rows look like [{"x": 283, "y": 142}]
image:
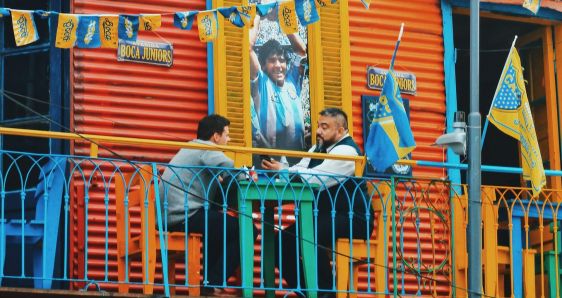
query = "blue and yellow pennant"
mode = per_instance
[
  {"x": 25, "y": 31},
  {"x": 232, "y": 15},
  {"x": 306, "y": 10},
  {"x": 390, "y": 136},
  {"x": 184, "y": 20},
  {"x": 532, "y": 5},
  {"x": 512, "y": 115},
  {"x": 128, "y": 27},
  {"x": 88, "y": 34},
  {"x": 248, "y": 13},
  {"x": 66, "y": 30},
  {"x": 150, "y": 22},
  {"x": 109, "y": 25},
  {"x": 208, "y": 25},
  {"x": 288, "y": 17}
]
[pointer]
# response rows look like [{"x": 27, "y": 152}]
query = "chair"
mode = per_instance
[
  {"x": 552, "y": 261},
  {"x": 362, "y": 250},
  {"x": 138, "y": 189},
  {"x": 46, "y": 200}
]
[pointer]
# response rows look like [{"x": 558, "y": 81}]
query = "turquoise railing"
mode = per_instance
[{"x": 407, "y": 224}]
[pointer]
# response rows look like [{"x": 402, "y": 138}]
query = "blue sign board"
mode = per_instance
[
  {"x": 406, "y": 81},
  {"x": 148, "y": 52}
]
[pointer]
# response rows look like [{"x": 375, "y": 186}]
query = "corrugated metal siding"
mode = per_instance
[
  {"x": 133, "y": 100},
  {"x": 373, "y": 35}
]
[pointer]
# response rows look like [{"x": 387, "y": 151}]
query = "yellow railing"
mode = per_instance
[{"x": 241, "y": 155}]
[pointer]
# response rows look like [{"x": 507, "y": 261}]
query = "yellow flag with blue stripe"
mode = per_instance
[
  {"x": 109, "y": 25},
  {"x": 25, "y": 31},
  {"x": 511, "y": 114},
  {"x": 390, "y": 136},
  {"x": 207, "y": 25},
  {"x": 532, "y": 5},
  {"x": 66, "y": 30},
  {"x": 287, "y": 16}
]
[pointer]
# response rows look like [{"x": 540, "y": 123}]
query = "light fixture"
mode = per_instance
[{"x": 456, "y": 140}]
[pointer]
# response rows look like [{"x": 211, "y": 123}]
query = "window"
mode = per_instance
[
  {"x": 31, "y": 85},
  {"x": 327, "y": 63}
]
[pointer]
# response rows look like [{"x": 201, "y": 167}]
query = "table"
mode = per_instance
[
  {"x": 520, "y": 209},
  {"x": 262, "y": 191}
]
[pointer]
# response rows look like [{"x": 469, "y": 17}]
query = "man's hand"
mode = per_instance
[{"x": 271, "y": 164}]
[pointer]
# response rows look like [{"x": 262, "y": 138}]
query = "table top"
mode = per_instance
[{"x": 270, "y": 190}]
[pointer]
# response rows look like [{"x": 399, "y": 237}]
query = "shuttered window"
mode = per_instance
[{"x": 328, "y": 54}]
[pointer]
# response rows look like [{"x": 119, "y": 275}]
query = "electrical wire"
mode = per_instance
[{"x": 211, "y": 202}]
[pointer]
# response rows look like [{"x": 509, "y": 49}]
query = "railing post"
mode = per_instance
[{"x": 393, "y": 218}]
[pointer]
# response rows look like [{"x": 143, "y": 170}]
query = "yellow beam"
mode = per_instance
[{"x": 97, "y": 139}]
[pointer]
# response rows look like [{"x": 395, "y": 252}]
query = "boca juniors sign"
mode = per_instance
[
  {"x": 376, "y": 76},
  {"x": 141, "y": 51}
]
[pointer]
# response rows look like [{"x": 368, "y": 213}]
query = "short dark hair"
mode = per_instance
[
  {"x": 339, "y": 114},
  {"x": 210, "y": 125},
  {"x": 272, "y": 47}
]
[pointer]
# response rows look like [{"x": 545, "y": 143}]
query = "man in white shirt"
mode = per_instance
[{"x": 338, "y": 191}]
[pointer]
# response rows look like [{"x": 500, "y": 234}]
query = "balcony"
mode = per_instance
[{"x": 98, "y": 224}]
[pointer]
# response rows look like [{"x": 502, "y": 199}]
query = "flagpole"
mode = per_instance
[
  {"x": 391, "y": 67},
  {"x": 497, "y": 89}
]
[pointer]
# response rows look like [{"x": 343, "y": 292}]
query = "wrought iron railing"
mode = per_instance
[{"x": 406, "y": 225}]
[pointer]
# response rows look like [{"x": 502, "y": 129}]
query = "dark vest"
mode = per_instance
[
  {"x": 352, "y": 190},
  {"x": 345, "y": 141}
]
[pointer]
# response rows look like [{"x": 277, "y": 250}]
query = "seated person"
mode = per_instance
[
  {"x": 190, "y": 188},
  {"x": 332, "y": 138}
]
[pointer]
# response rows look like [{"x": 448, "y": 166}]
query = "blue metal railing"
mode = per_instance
[{"x": 408, "y": 218}]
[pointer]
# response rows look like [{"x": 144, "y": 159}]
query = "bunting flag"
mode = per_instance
[
  {"x": 265, "y": 9},
  {"x": 184, "y": 20},
  {"x": 208, "y": 25},
  {"x": 366, "y": 3},
  {"x": 390, "y": 136},
  {"x": 532, "y": 5},
  {"x": 88, "y": 32},
  {"x": 306, "y": 10},
  {"x": 321, "y": 3},
  {"x": 128, "y": 27},
  {"x": 288, "y": 17},
  {"x": 248, "y": 13},
  {"x": 511, "y": 114},
  {"x": 25, "y": 31},
  {"x": 4, "y": 12},
  {"x": 71, "y": 32},
  {"x": 233, "y": 15},
  {"x": 150, "y": 22},
  {"x": 109, "y": 25},
  {"x": 66, "y": 30}
]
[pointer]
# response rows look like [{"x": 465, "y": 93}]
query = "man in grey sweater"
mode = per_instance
[{"x": 194, "y": 187}]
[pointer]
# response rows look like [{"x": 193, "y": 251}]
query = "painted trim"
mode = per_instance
[
  {"x": 316, "y": 73},
  {"x": 450, "y": 83},
  {"x": 551, "y": 102},
  {"x": 219, "y": 66},
  {"x": 55, "y": 93},
  {"x": 246, "y": 91},
  {"x": 558, "y": 72},
  {"x": 210, "y": 71},
  {"x": 345, "y": 52},
  {"x": 543, "y": 13}
]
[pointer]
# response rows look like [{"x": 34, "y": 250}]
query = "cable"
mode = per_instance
[{"x": 324, "y": 248}]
